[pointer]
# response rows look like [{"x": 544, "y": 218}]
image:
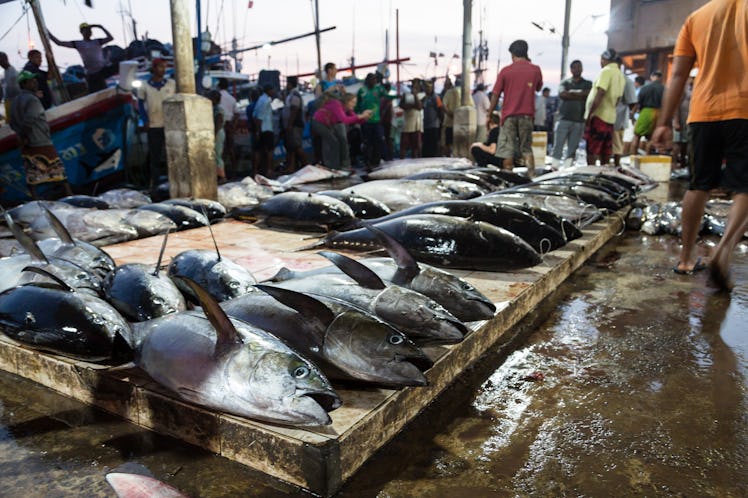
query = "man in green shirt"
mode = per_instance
[{"x": 369, "y": 97}]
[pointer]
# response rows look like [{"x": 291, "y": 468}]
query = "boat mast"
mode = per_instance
[
  {"x": 42, "y": 27},
  {"x": 316, "y": 35}
]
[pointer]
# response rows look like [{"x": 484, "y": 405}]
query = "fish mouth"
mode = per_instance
[
  {"x": 328, "y": 400},
  {"x": 422, "y": 362}
]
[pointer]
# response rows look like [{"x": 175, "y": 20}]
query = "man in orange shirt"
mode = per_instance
[{"x": 714, "y": 37}]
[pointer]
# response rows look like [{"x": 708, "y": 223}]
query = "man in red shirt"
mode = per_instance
[{"x": 518, "y": 82}]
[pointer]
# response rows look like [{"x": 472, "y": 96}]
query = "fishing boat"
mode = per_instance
[{"x": 90, "y": 133}]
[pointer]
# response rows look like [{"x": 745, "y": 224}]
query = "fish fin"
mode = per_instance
[
  {"x": 307, "y": 306},
  {"x": 48, "y": 274},
  {"x": 161, "y": 254},
  {"x": 357, "y": 271},
  {"x": 58, "y": 227},
  {"x": 226, "y": 335},
  {"x": 282, "y": 275},
  {"x": 26, "y": 242},
  {"x": 407, "y": 266}
]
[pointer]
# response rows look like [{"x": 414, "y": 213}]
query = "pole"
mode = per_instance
[
  {"x": 565, "y": 40},
  {"x": 397, "y": 47},
  {"x": 316, "y": 36},
  {"x": 199, "y": 47},
  {"x": 184, "y": 68},
  {"x": 53, "y": 71},
  {"x": 467, "y": 27}
]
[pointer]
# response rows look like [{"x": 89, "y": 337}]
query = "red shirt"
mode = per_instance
[
  {"x": 518, "y": 81},
  {"x": 333, "y": 112}
]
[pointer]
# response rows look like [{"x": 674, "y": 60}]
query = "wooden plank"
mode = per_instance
[{"x": 318, "y": 459}]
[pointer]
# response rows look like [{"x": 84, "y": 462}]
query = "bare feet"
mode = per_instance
[{"x": 719, "y": 274}]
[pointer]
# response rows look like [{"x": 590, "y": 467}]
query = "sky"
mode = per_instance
[{"x": 360, "y": 31}]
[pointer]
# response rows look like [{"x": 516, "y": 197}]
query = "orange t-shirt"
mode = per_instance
[{"x": 717, "y": 36}]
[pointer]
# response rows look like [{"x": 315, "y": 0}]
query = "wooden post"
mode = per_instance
[
  {"x": 184, "y": 65},
  {"x": 53, "y": 71}
]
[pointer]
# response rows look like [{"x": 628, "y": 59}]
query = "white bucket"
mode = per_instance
[
  {"x": 656, "y": 167},
  {"x": 539, "y": 147}
]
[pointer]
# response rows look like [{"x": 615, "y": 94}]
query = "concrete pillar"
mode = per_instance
[
  {"x": 190, "y": 146},
  {"x": 465, "y": 122},
  {"x": 184, "y": 60}
]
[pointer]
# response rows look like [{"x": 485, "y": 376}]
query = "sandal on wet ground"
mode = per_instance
[{"x": 697, "y": 267}]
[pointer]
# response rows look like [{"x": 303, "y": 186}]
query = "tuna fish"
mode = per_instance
[
  {"x": 226, "y": 364},
  {"x": 402, "y": 194},
  {"x": 445, "y": 241},
  {"x": 346, "y": 342},
  {"x": 213, "y": 210},
  {"x": 363, "y": 207},
  {"x": 421, "y": 318},
  {"x": 299, "y": 210},
  {"x": 141, "y": 293},
  {"x": 56, "y": 318},
  {"x": 184, "y": 217}
]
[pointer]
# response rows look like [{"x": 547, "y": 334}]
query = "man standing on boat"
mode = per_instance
[
  {"x": 34, "y": 66},
  {"x": 151, "y": 98},
  {"x": 41, "y": 162},
  {"x": 92, "y": 55}
]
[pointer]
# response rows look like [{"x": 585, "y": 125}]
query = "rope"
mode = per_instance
[{"x": 25, "y": 10}]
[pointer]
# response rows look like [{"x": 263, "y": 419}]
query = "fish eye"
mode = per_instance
[
  {"x": 301, "y": 372},
  {"x": 395, "y": 339}
]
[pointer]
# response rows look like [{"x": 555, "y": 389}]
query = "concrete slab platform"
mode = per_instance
[{"x": 322, "y": 459}]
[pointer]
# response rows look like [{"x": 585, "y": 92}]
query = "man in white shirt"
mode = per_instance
[
  {"x": 98, "y": 69},
  {"x": 482, "y": 104},
  {"x": 151, "y": 98},
  {"x": 228, "y": 104}
]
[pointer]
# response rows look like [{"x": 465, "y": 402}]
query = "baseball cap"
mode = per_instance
[
  {"x": 156, "y": 61},
  {"x": 84, "y": 25},
  {"x": 25, "y": 76}
]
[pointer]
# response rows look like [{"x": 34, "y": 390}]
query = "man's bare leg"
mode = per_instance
[
  {"x": 737, "y": 224},
  {"x": 693, "y": 212}
]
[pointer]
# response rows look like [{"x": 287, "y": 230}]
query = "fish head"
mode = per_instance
[
  {"x": 286, "y": 387},
  {"x": 229, "y": 280},
  {"x": 163, "y": 297},
  {"x": 369, "y": 349},
  {"x": 457, "y": 295},
  {"x": 418, "y": 315}
]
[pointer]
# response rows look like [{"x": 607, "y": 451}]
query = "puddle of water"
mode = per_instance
[{"x": 635, "y": 382}]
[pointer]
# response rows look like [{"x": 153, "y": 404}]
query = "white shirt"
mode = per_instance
[
  {"x": 228, "y": 104},
  {"x": 482, "y": 104}
]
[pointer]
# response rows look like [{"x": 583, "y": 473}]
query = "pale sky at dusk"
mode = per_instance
[{"x": 425, "y": 26}]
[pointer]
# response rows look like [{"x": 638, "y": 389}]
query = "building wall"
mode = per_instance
[{"x": 644, "y": 31}]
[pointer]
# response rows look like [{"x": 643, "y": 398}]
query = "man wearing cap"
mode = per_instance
[
  {"x": 715, "y": 38},
  {"x": 41, "y": 162},
  {"x": 518, "y": 82},
  {"x": 97, "y": 67},
  {"x": 601, "y": 109},
  {"x": 151, "y": 98}
]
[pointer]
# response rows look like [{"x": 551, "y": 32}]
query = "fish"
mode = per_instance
[
  {"x": 346, "y": 342},
  {"x": 301, "y": 210},
  {"x": 596, "y": 197},
  {"x": 577, "y": 212},
  {"x": 58, "y": 319},
  {"x": 11, "y": 269},
  {"x": 124, "y": 198},
  {"x": 85, "y": 201},
  {"x": 540, "y": 236},
  {"x": 363, "y": 207},
  {"x": 147, "y": 223},
  {"x": 223, "y": 363},
  {"x": 458, "y": 296},
  {"x": 221, "y": 277},
  {"x": 184, "y": 217},
  {"x": 244, "y": 194},
  {"x": 402, "y": 194},
  {"x": 444, "y": 241},
  {"x": 213, "y": 210},
  {"x": 400, "y": 168},
  {"x": 64, "y": 246},
  {"x": 419, "y": 317},
  {"x": 127, "y": 485},
  {"x": 458, "y": 175},
  {"x": 141, "y": 293}
]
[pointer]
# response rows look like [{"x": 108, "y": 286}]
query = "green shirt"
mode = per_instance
[{"x": 369, "y": 98}]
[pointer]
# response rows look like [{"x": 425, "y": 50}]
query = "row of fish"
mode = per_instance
[
  {"x": 656, "y": 218},
  {"x": 260, "y": 351}
]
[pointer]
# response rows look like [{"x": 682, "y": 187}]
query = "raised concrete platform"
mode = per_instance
[{"x": 318, "y": 460}]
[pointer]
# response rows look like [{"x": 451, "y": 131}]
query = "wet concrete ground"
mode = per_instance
[{"x": 630, "y": 381}]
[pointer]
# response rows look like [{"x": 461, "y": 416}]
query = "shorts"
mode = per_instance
[
  {"x": 293, "y": 138},
  {"x": 709, "y": 145},
  {"x": 618, "y": 142},
  {"x": 265, "y": 142},
  {"x": 515, "y": 135},
  {"x": 449, "y": 134},
  {"x": 645, "y": 124},
  {"x": 599, "y": 137}
]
